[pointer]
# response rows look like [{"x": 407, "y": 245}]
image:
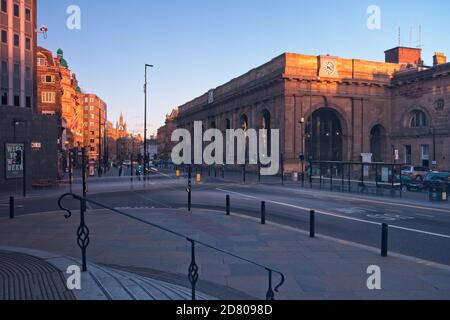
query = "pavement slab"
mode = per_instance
[{"x": 319, "y": 268}]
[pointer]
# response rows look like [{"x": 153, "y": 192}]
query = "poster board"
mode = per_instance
[{"x": 14, "y": 160}]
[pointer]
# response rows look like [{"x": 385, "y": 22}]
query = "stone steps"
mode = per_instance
[{"x": 104, "y": 283}]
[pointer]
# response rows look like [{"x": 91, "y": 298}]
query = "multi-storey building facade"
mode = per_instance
[
  {"x": 32, "y": 137},
  {"x": 94, "y": 127},
  {"x": 111, "y": 142},
  {"x": 334, "y": 109},
  {"x": 164, "y": 144}
]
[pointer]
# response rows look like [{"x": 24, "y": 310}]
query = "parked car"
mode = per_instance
[
  {"x": 437, "y": 179},
  {"x": 410, "y": 184},
  {"x": 416, "y": 173},
  {"x": 127, "y": 163}
]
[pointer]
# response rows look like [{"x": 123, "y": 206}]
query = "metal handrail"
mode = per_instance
[{"x": 83, "y": 240}]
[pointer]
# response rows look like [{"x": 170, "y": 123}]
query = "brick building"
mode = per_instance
[
  {"x": 59, "y": 95},
  {"x": 163, "y": 138},
  {"x": 336, "y": 109},
  {"x": 22, "y": 129},
  {"x": 94, "y": 127}
]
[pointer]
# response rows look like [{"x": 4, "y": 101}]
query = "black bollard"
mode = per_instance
[
  {"x": 384, "y": 239},
  {"x": 11, "y": 207},
  {"x": 312, "y": 224},
  {"x": 263, "y": 212},
  {"x": 228, "y": 205}
]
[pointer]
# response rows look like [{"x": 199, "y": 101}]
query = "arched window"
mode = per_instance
[
  {"x": 418, "y": 119},
  {"x": 244, "y": 123},
  {"x": 227, "y": 124}
]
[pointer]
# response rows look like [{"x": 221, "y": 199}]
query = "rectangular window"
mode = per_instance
[
  {"x": 16, "y": 10},
  {"x": 48, "y": 79},
  {"x": 27, "y": 14},
  {"x": 16, "y": 40},
  {"x": 28, "y": 102},
  {"x": 4, "y": 67},
  {"x": 4, "y": 36},
  {"x": 27, "y": 43},
  {"x": 92, "y": 149},
  {"x": 41, "y": 62},
  {"x": 92, "y": 140},
  {"x": 426, "y": 155},
  {"x": 16, "y": 70},
  {"x": 17, "y": 100},
  {"x": 28, "y": 73},
  {"x": 4, "y": 6},
  {"x": 4, "y": 98},
  {"x": 92, "y": 108},
  {"x": 408, "y": 154},
  {"x": 48, "y": 97},
  {"x": 92, "y": 116}
]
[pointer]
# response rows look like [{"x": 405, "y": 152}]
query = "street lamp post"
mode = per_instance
[
  {"x": 99, "y": 142},
  {"x": 302, "y": 154},
  {"x": 434, "y": 148},
  {"x": 145, "y": 123}
]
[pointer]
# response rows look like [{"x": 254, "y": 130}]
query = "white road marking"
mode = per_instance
[
  {"x": 379, "y": 202},
  {"x": 424, "y": 215},
  {"x": 339, "y": 216},
  {"x": 7, "y": 205}
]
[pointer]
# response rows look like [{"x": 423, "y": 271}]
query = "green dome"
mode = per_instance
[
  {"x": 60, "y": 54},
  {"x": 64, "y": 63},
  {"x": 78, "y": 90}
]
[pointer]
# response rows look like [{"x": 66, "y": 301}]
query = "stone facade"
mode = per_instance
[
  {"x": 163, "y": 138},
  {"x": 19, "y": 119},
  {"x": 94, "y": 126},
  {"x": 335, "y": 109}
]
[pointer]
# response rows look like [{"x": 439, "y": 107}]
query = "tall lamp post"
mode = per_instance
[
  {"x": 145, "y": 122},
  {"x": 302, "y": 154},
  {"x": 434, "y": 149},
  {"x": 99, "y": 142}
]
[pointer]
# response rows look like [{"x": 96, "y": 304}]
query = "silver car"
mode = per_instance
[{"x": 416, "y": 173}]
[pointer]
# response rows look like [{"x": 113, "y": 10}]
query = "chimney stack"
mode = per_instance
[
  {"x": 404, "y": 55},
  {"x": 439, "y": 58}
]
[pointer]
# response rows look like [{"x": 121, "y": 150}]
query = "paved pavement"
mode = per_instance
[
  {"x": 26, "y": 277},
  {"x": 27, "y": 274},
  {"x": 417, "y": 228},
  {"x": 321, "y": 268}
]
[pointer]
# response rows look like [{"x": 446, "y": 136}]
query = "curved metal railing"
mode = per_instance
[{"x": 83, "y": 240}]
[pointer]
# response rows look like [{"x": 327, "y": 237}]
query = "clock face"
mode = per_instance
[{"x": 330, "y": 68}]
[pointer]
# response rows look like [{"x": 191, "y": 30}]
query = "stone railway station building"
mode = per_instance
[{"x": 334, "y": 109}]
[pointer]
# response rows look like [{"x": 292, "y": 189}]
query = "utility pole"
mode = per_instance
[
  {"x": 145, "y": 124},
  {"x": 99, "y": 141}
]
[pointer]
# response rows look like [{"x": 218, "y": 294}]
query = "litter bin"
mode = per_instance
[{"x": 438, "y": 193}]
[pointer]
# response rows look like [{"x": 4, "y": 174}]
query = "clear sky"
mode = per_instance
[{"x": 197, "y": 45}]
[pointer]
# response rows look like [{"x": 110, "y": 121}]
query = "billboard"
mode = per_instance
[{"x": 14, "y": 160}]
